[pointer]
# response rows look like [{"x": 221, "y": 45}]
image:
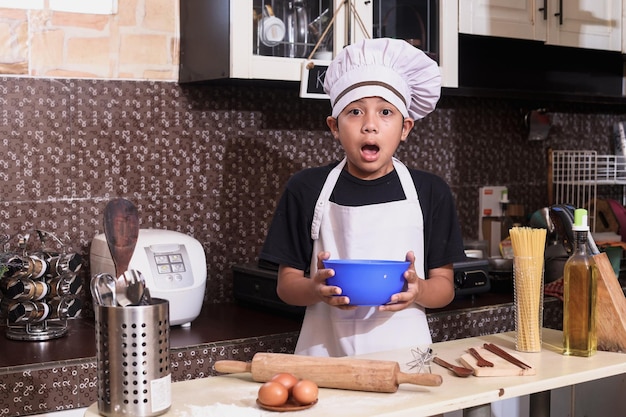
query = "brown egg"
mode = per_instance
[
  {"x": 305, "y": 391},
  {"x": 273, "y": 393},
  {"x": 285, "y": 378}
]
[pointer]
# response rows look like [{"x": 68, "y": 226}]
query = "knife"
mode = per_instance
[{"x": 504, "y": 355}]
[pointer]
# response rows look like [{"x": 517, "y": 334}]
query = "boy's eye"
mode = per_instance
[
  {"x": 354, "y": 112},
  {"x": 386, "y": 112}
]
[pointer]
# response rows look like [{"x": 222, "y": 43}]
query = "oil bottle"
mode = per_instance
[{"x": 579, "y": 294}]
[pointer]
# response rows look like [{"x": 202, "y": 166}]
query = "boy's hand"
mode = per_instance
[
  {"x": 402, "y": 300},
  {"x": 328, "y": 293}
]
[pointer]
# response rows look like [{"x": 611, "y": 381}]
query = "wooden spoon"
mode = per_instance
[
  {"x": 480, "y": 361},
  {"x": 121, "y": 229},
  {"x": 457, "y": 370}
]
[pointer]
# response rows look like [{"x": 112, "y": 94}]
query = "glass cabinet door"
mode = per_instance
[
  {"x": 416, "y": 21},
  {"x": 291, "y": 29},
  {"x": 431, "y": 25},
  {"x": 271, "y": 39},
  {"x": 294, "y": 28}
]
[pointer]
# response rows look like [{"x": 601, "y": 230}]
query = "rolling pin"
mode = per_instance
[{"x": 342, "y": 373}]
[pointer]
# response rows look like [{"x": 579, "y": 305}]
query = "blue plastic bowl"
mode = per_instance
[{"x": 367, "y": 282}]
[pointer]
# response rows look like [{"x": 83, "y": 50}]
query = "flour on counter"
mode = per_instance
[{"x": 220, "y": 410}]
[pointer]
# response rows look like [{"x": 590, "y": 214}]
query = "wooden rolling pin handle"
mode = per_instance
[
  {"x": 429, "y": 380},
  {"x": 232, "y": 367}
]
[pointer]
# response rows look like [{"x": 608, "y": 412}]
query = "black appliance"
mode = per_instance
[
  {"x": 471, "y": 277},
  {"x": 255, "y": 285}
]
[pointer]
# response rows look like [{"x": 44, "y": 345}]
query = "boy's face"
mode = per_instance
[{"x": 370, "y": 130}]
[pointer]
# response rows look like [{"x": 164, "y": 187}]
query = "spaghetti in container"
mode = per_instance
[{"x": 528, "y": 282}]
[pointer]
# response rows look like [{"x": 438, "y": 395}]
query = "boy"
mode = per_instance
[{"x": 368, "y": 206}]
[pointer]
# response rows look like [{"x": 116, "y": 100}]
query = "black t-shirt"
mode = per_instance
[{"x": 289, "y": 242}]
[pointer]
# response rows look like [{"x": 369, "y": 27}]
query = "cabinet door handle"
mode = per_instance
[
  {"x": 544, "y": 9},
  {"x": 559, "y": 14}
]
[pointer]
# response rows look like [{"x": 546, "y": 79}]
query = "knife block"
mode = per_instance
[{"x": 611, "y": 308}]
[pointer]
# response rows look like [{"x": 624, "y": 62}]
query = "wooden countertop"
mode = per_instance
[{"x": 553, "y": 370}]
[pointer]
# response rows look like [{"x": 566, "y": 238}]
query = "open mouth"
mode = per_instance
[{"x": 370, "y": 152}]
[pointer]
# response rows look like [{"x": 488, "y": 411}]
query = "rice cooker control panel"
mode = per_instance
[{"x": 170, "y": 266}]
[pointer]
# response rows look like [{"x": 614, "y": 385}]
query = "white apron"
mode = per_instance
[{"x": 379, "y": 231}]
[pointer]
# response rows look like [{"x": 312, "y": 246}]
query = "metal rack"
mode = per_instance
[
  {"x": 576, "y": 175},
  {"x": 39, "y": 288}
]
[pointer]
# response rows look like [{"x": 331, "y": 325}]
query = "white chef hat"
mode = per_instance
[{"x": 389, "y": 68}]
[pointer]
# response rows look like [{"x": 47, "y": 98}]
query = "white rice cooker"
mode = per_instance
[{"x": 173, "y": 264}]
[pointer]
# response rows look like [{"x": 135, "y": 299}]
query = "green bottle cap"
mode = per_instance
[{"x": 580, "y": 220}]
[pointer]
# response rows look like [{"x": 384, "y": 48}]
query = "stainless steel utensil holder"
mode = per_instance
[{"x": 133, "y": 359}]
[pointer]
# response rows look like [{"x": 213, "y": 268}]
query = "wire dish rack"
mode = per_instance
[{"x": 576, "y": 176}]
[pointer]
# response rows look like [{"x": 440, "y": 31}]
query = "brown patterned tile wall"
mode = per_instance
[{"x": 211, "y": 160}]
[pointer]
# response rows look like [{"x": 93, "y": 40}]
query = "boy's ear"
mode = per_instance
[
  {"x": 407, "y": 125},
  {"x": 332, "y": 125}
]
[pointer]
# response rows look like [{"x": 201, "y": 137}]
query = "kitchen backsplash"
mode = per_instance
[{"x": 211, "y": 160}]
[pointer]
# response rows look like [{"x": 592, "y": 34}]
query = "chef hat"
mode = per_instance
[{"x": 389, "y": 68}]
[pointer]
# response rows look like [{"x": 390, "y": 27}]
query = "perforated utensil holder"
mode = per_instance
[{"x": 133, "y": 359}]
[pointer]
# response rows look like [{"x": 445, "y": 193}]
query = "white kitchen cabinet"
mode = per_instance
[
  {"x": 507, "y": 18},
  {"x": 225, "y": 39},
  {"x": 591, "y": 24}
]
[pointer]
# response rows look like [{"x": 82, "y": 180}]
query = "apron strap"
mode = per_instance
[
  {"x": 406, "y": 180},
  {"x": 324, "y": 197}
]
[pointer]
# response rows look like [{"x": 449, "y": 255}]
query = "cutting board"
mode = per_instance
[
  {"x": 500, "y": 366},
  {"x": 611, "y": 308}
]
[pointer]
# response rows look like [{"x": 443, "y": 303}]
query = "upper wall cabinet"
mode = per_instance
[
  {"x": 270, "y": 39},
  {"x": 592, "y": 24}
]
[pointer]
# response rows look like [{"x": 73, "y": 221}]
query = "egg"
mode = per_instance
[
  {"x": 273, "y": 393},
  {"x": 304, "y": 392},
  {"x": 285, "y": 378}
]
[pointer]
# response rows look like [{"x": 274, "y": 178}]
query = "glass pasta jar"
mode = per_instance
[{"x": 528, "y": 246}]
